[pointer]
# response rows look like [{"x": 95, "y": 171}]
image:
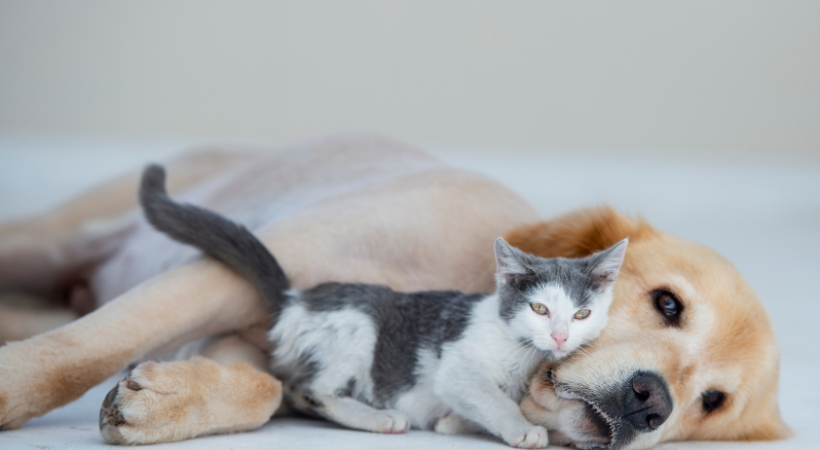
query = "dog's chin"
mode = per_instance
[{"x": 589, "y": 430}]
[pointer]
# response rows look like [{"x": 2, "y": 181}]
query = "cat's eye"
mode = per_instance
[
  {"x": 539, "y": 308},
  {"x": 582, "y": 314},
  {"x": 712, "y": 400}
]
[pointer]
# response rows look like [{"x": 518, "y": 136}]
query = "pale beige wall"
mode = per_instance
[{"x": 662, "y": 76}]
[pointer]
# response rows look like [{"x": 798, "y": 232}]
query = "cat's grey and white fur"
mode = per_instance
[{"x": 371, "y": 358}]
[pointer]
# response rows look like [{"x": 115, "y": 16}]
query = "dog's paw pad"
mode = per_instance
[
  {"x": 133, "y": 414},
  {"x": 112, "y": 420},
  {"x": 109, "y": 413}
]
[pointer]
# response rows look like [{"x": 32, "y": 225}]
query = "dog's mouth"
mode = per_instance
[{"x": 597, "y": 429}]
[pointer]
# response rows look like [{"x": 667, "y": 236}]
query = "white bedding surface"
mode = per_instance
[{"x": 763, "y": 216}]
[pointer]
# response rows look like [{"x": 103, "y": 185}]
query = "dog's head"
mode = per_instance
[{"x": 689, "y": 353}]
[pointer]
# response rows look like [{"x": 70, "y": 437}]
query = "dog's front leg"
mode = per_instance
[{"x": 52, "y": 369}]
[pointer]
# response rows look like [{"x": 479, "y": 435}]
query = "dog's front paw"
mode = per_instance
[
  {"x": 533, "y": 437},
  {"x": 170, "y": 402}
]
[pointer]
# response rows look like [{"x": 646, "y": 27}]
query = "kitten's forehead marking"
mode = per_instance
[{"x": 571, "y": 276}]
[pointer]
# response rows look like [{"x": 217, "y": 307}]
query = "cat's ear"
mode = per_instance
[
  {"x": 607, "y": 264},
  {"x": 509, "y": 261}
]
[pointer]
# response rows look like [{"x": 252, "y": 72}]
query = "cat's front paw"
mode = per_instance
[
  {"x": 395, "y": 422},
  {"x": 453, "y": 424},
  {"x": 534, "y": 437}
]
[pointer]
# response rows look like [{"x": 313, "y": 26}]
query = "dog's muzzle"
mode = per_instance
[{"x": 641, "y": 404}]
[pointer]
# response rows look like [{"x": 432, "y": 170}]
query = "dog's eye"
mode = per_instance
[
  {"x": 539, "y": 308},
  {"x": 582, "y": 314},
  {"x": 712, "y": 400},
  {"x": 668, "y": 305}
]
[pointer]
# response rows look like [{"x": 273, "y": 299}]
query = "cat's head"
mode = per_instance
[{"x": 559, "y": 304}]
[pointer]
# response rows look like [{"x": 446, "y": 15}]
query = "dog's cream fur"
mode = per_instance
[{"x": 348, "y": 209}]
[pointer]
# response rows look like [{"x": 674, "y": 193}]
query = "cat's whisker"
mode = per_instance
[
  {"x": 517, "y": 344},
  {"x": 521, "y": 363},
  {"x": 581, "y": 351},
  {"x": 520, "y": 347},
  {"x": 523, "y": 345},
  {"x": 533, "y": 350},
  {"x": 535, "y": 355},
  {"x": 523, "y": 356}
]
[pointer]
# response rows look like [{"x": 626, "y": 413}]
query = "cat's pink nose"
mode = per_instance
[{"x": 559, "y": 338}]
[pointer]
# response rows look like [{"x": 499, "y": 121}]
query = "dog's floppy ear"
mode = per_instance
[
  {"x": 761, "y": 420},
  {"x": 578, "y": 234},
  {"x": 773, "y": 430}
]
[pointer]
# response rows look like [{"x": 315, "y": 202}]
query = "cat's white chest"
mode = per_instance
[
  {"x": 516, "y": 362},
  {"x": 520, "y": 364},
  {"x": 502, "y": 358}
]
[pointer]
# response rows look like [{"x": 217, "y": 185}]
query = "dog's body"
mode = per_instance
[{"x": 348, "y": 209}]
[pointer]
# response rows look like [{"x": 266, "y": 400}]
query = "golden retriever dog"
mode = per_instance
[{"x": 689, "y": 352}]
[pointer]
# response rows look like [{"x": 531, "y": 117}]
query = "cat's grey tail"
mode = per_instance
[{"x": 226, "y": 241}]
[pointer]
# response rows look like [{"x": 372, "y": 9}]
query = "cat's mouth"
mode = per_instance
[
  {"x": 552, "y": 355},
  {"x": 596, "y": 429}
]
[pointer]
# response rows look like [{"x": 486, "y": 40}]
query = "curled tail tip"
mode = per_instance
[
  {"x": 153, "y": 197},
  {"x": 154, "y": 176},
  {"x": 153, "y": 182}
]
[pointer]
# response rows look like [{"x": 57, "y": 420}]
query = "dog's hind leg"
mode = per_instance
[
  {"x": 18, "y": 322},
  {"x": 167, "y": 402},
  {"x": 40, "y": 258},
  {"x": 45, "y": 253},
  {"x": 198, "y": 299}
]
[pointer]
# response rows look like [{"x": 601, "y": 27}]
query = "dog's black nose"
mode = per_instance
[{"x": 647, "y": 404}]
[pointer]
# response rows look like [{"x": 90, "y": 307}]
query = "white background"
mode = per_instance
[{"x": 652, "y": 77}]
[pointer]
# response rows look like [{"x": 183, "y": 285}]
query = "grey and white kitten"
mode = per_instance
[{"x": 371, "y": 358}]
